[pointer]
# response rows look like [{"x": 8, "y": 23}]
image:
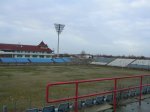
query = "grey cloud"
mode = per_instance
[{"x": 97, "y": 26}]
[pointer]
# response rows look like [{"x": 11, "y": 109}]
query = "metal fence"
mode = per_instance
[{"x": 141, "y": 83}]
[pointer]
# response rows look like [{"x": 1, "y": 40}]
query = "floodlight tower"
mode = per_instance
[{"x": 59, "y": 28}]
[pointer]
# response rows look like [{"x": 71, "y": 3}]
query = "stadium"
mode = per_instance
[
  {"x": 27, "y": 69},
  {"x": 74, "y": 56}
]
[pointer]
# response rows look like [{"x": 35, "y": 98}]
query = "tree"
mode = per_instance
[{"x": 83, "y": 53}]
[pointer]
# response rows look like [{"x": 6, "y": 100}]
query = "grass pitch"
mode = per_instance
[{"x": 23, "y": 87}]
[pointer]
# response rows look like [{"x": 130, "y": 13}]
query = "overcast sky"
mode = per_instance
[{"x": 113, "y": 27}]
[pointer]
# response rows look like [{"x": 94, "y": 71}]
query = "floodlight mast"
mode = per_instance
[{"x": 59, "y": 28}]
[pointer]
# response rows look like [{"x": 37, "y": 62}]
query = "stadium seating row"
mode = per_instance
[
  {"x": 103, "y": 60},
  {"x": 121, "y": 62},
  {"x": 118, "y": 62},
  {"x": 35, "y": 60},
  {"x": 66, "y": 107}
]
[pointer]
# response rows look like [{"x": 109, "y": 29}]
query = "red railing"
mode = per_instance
[{"x": 115, "y": 90}]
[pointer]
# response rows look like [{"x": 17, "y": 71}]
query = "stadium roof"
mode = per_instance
[{"x": 42, "y": 47}]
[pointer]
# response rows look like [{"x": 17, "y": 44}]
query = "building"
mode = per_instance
[{"x": 25, "y": 51}]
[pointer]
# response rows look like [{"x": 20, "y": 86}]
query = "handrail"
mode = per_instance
[{"x": 115, "y": 90}]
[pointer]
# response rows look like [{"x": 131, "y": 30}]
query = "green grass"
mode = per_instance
[{"x": 24, "y": 86}]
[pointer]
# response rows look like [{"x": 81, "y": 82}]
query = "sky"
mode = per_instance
[{"x": 111, "y": 27}]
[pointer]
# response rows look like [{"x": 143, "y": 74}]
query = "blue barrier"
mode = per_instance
[
  {"x": 66, "y": 59},
  {"x": 8, "y": 60},
  {"x": 35, "y": 60},
  {"x": 40, "y": 60},
  {"x": 22, "y": 60},
  {"x": 58, "y": 60}
]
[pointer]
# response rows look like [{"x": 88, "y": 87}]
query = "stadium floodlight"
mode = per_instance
[{"x": 59, "y": 28}]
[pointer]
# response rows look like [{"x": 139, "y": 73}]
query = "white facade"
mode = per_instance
[{"x": 25, "y": 51}]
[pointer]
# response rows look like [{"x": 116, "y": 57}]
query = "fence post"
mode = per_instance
[
  {"x": 115, "y": 90},
  {"x": 47, "y": 93},
  {"x": 141, "y": 78},
  {"x": 76, "y": 97}
]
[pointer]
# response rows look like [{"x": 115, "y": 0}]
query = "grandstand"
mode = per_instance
[
  {"x": 105, "y": 61},
  {"x": 121, "y": 62},
  {"x": 25, "y": 51},
  {"x": 102, "y": 60},
  {"x": 17, "y": 53},
  {"x": 144, "y": 64},
  {"x": 98, "y": 63}
]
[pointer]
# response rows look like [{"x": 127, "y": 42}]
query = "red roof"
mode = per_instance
[
  {"x": 42, "y": 44},
  {"x": 18, "y": 47}
]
